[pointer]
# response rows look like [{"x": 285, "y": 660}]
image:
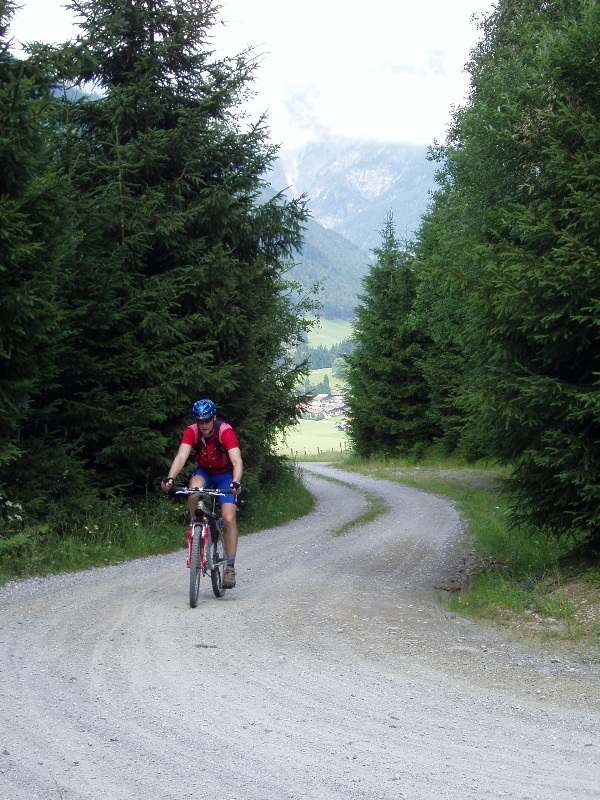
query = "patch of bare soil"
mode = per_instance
[{"x": 565, "y": 621}]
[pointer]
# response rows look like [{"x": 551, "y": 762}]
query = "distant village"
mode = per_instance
[{"x": 326, "y": 406}]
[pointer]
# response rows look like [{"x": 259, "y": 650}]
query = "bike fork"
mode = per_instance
[
  {"x": 190, "y": 537},
  {"x": 197, "y": 529}
]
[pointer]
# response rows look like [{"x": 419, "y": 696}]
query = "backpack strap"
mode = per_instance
[
  {"x": 218, "y": 443},
  {"x": 199, "y": 444}
]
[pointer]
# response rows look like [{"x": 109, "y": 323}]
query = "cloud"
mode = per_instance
[
  {"x": 299, "y": 106},
  {"x": 403, "y": 69},
  {"x": 386, "y": 71},
  {"x": 432, "y": 64},
  {"x": 436, "y": 63}
]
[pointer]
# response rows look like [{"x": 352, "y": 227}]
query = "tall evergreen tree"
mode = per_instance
[
  {"x": 177, "y": 289},
  {"x": 523, "y": 165},
  {"x": 387, "y": 397},
  {"x": 444, "y": 261},
  {"x": 32, "y": 244}
]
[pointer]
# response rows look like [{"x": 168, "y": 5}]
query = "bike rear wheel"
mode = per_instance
[
  {"x": 219, "y": 561},
  {"x": 196, "y": 565}
]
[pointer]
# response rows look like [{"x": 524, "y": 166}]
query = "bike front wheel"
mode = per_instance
[
  {"x": 196, "y": 565},
  {"x": 219, "y": 561}
]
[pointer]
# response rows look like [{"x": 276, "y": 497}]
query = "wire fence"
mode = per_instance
[{"x": 320, "y": 451}]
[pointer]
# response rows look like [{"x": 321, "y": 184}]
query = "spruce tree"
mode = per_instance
[
  {"x": 523, "y": 165},
  {"x": 177, "y": 290},
  {"x": 33, "y": 221},
  {"x": 445, "y": 260},
  {"x": 387, "y": 396}
]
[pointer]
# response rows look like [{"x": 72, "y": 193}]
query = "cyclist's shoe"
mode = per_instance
[{"x": 229, "y": 578}]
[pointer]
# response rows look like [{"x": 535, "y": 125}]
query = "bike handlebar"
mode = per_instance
[{"x": 199, "y": 490}]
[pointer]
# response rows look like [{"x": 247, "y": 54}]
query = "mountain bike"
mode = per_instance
[{"x": 206, "y": 542}]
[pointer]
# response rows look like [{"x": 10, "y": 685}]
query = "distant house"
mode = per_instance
[
  {"x": 322, "y": 406},
  {"x": 312, "y": 412}
]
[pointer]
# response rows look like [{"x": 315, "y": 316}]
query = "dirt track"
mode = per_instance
[{"x": 337, "y": 674}]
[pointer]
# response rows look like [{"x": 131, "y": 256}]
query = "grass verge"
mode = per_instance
[
  {"x": 116, "y": 533},
  {"x": 376, "y": 506},
  {"x": 541, "y": 591}
]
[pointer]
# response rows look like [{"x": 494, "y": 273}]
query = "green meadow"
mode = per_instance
[
  {"x": 329, "y": 332},
  {"x": 317, "y": 376},
  {"x": 314, "y": 438},
  {"x": 310, "y": 437}
]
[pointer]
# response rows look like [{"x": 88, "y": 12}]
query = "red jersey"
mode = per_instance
[{"x": 209, "y": 456}]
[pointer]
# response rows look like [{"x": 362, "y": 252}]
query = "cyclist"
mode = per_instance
[{"x": 219, "y": 464}]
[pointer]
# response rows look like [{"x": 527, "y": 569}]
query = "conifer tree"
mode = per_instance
[
  {"x": 32, "y": 245},
  {"x": 523, "y": 165},
  {"x": 450, "y": 364},
  {"x": 177, "y": 290},
  {"x": 387, "y": 397}
]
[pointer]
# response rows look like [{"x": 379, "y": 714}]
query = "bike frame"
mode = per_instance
[
  {"x": 206, "y": 553},
  {"x": 201, "y": 528}
]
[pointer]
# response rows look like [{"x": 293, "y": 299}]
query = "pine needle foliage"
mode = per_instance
[
  {"x": 522, "y": 172},
  {"x": 33, "y": 244},
  {"x": 387, "y": 396},
  {"x": 175, "y": 285}
]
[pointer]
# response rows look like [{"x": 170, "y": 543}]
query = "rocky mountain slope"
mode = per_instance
[{"x": 351, "y": 186}]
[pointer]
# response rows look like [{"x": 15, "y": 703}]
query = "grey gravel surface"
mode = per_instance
[{"x": 332, "y": 670}]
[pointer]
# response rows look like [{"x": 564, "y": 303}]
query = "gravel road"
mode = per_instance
[{"x": 331, "y": 671}]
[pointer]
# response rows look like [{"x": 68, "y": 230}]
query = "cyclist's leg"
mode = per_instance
[
  {"x": 217, "y": 573},
  {"x": 199, "y": 480},
  {"x": 229, "y": 514}
]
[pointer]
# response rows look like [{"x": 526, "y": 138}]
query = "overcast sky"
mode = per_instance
[{"x": 388, "y": 70}]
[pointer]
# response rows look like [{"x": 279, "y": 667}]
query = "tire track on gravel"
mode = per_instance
[{"x": 330, "y": 671}]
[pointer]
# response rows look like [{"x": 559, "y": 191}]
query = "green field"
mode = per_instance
[
  {"x": 313, "y": 438},
  {"x": 329, "y": 332},
  {"x": 318, "y": 376}
]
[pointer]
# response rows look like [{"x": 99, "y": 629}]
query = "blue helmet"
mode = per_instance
[{"x": 203, "y": 410}]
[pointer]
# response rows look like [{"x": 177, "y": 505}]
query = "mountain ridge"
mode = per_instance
[{"x": 351, "y": 186}]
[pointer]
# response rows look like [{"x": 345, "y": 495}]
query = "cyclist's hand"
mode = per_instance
[
  {"x": 235, "y": 487},
  {"x": 167, "y": 484}
]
